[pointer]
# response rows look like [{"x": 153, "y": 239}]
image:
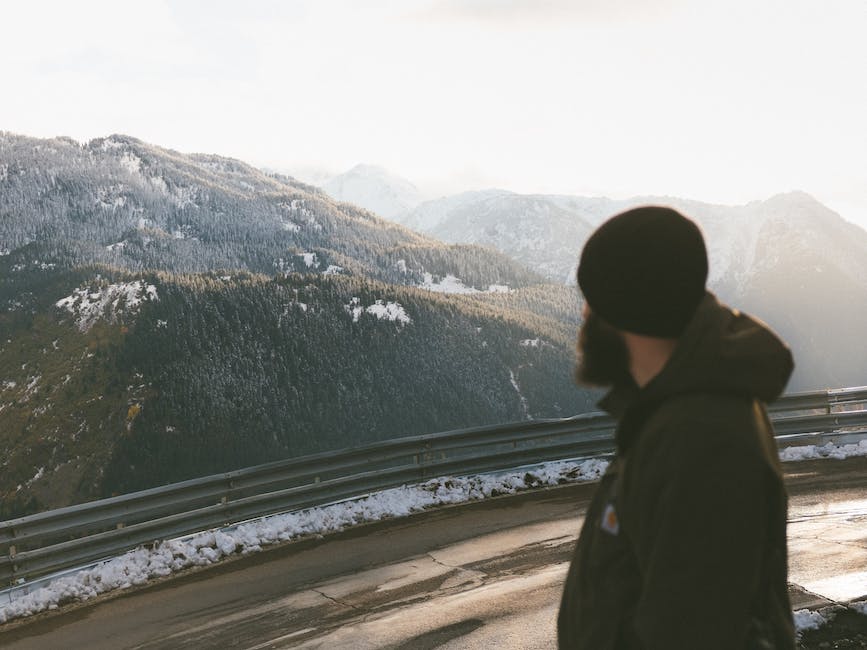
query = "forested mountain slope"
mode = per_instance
[
  {"x": 164, "y": 316},
  {"x": 124, "y": 203}
]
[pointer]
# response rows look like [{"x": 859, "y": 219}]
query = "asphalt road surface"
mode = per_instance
[{"x": 483, "y": 575}]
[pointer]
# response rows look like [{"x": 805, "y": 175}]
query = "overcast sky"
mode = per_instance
[{"x": 725, "y": 101}]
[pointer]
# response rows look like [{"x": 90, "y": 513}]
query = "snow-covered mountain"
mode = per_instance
[
  {"x": 538, "y": 231},
  {"x": 788, "y": 259},
  {"x": 546, "y": 232},
  {"x": 374, "y": 188},
  {"x": 167, "y": 315}
]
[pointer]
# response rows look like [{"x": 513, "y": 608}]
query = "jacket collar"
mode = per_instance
[{"x": 721, "y": 351}]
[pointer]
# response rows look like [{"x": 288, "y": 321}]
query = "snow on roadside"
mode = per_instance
[
  {"x": 829, "y": 450},
  {"x": 142, "y": 564},
  {"x": 138, "y": 566},
  {"x": 806, "y": 619}
]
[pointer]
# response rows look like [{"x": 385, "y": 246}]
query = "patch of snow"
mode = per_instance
[
  {"x": 333, "y": 269},
  {"x": 806, "y": 619},
  {"x": 499, "y": 288},
  {"x": 310, "y": 260},
  {"x": 39, "y": 474},
  {"x": 4, "y": 252},
  {"x": 32, "y": 388},
  {"x": 354, "y": 308},
  {"x": 89, "y": 307},
  {"x": 162, "y": 324},
  {"x": 829, "y": 450},
  {"x": 118, "y": 247},
  {"x": 143, "y": 564},
  {"x": 525, "y": 407},
  {"x": 8, "y": 385},
  {"x": 449, "y": 284},
  {"x": 297, "y": 210},
  {"x": 392, "y": 311}
]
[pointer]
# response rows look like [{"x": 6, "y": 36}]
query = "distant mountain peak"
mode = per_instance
[
  {"x": 114, "y": 140},
  {"x": 374, "y": 188},
  {"x": 792, "y": 197},
  {"x": 371, "y": 170}
]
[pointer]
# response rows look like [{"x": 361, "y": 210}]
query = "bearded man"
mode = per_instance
[{"x": 684, "y": 543}]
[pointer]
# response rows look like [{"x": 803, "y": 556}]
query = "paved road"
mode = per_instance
[{"x": 485, "y": 575}]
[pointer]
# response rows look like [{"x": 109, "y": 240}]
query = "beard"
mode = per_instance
[{"x": 603, "y": 358}]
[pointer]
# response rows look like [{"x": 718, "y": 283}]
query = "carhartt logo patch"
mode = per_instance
[{"x": 610, "y": 523}]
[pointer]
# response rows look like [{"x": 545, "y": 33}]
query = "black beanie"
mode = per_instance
[{"x": 644, "y": 271}]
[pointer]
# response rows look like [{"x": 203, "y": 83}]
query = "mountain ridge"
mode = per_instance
[
  {"x": 787, "y": 259},
  {"x": 165, "y": 315}
]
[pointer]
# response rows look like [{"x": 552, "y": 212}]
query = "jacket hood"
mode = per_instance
[{"x": 722, "y": 350}]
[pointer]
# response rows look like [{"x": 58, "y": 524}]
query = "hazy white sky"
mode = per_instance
[{"x": 725, "y": 101}]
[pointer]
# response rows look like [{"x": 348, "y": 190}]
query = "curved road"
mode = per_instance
[{"x": 483, "y": 575}]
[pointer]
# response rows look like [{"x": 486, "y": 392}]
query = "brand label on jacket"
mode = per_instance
[{"x": 610, "y": 523}]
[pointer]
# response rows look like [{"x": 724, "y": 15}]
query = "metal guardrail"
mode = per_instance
[{"x": 51, "y": 541}]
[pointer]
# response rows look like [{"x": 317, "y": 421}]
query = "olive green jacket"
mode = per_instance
[{"x": 684, "y": 543}]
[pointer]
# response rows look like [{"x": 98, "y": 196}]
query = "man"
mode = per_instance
[{"x": 684, "y": 543}]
